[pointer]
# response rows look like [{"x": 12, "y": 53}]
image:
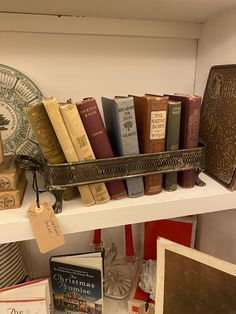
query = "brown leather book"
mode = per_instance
[
  {"x": 95, "y": 129},
  {"x": 151, "y": 113},
  {"x": 189, "y": 131},
  {"x": 218, "y": 125}
]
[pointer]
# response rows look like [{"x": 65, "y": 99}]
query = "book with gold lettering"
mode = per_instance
[
  {"x": 172, "y": 140},
  {"x": 189, "y": 132},
  {"x": 95, "y": 129},
  {"x": 119, "y": 115},
  {"x": 52, "y": 107},
  {"x": 82, "y": 146},
  {"x": 151, "y": 113}
]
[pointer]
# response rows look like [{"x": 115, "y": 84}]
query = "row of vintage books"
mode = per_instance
[{"x": 71, "y": 132}]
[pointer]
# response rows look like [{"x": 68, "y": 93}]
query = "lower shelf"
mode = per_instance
[{"x": 14, "y": 224}]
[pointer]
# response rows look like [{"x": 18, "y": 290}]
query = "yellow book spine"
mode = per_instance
[
  {"x": 44, "y": 133},
  {"x": 52, "y": 107},
  {"x": 82, "y": 146},
  {"x": 47, "y": 139},
  {"x": 1, "y": 149}
]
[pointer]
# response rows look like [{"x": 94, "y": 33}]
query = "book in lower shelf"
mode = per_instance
[
  {"x": 77, "y": 283},
  {"x": 31, "y": 297}
]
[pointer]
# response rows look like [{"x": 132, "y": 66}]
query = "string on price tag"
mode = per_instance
[
  {"x": 45, "y": 226},
  {"x": 44, "y": 222}
]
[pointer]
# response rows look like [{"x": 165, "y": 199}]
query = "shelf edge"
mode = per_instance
[{"x": 74, "y": 25}]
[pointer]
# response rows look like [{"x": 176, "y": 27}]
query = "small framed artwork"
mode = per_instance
[{"x": 189, "y": 281}]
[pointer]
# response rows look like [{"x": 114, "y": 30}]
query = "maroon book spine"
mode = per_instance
[
  {"x": 95, "y": 129},
  {"x": 189, "y": 132}
]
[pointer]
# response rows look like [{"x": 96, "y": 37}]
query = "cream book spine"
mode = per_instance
[
  {"x": 1, "y": 149},
  {"x": 52, "y": 107},
  {"x": 82, "y": 146}
]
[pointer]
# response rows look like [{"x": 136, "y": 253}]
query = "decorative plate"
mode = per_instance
[{"x": 16, "y": 92}]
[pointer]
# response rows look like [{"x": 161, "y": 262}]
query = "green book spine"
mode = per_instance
[{"x": 172, "y": 140}]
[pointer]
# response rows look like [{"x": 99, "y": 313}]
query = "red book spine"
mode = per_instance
[
  {"x": 189, "y": 133},
  {"x": 99, "y": 141},
  {"x": 129, "y": 245}
]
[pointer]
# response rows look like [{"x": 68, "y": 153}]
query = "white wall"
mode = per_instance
[
  {"x": 217, "y": 45},
  {"x": 77, "y": 66}
]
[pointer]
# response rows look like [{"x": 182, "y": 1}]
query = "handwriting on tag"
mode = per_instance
[{"x": 45, "y": 226}]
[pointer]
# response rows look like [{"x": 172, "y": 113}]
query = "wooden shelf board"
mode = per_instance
[{"x": 14, "y": 224}]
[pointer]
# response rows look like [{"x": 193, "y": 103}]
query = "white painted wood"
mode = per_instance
[
  {"x": 178, "y": 10},
  {"x": 216, "y": 234},
  {"x": 97, "y": 26},
  {"x": 14, "y": 224}
]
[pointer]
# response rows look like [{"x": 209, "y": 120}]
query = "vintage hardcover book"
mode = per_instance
[
  {"x": 121, "y": 128},
  {"x": 99, "y": 140},
  {"x": 47, "y": 139},
  {"x": 189, "y": 132},
  {"x": 151, "y": 113},
  {"x": 9, "y": 173},
  {"x": 77, "y": 283},
  {"x": 172, "y": 140},
  {"x": 13, "y": 198},
  {"x": 82, "y": 146},
  {"x": 31, "y": 297},
  {"x": 1, "y": 149},
  {"x": 189, "y": 281},
  {"x": 181, "y": 230},
  {"x": 52, "y": 107},
  {"x": 218, "y": 125}
]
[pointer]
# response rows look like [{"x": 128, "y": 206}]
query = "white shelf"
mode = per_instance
[
  {"x": 14, "y": 224},
  {"x": 77, "y": 25},
  {"x": 175, "y": 10}
]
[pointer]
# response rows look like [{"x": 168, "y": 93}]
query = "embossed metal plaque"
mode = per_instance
[{"x": 218, "y": 125}]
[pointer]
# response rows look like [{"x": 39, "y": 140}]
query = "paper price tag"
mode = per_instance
[{"x": 45, "y": 226}]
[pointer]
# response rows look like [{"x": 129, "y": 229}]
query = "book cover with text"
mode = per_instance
[{"x": 77, "y": 283}]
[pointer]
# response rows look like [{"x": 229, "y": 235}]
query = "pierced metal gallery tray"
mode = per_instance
[{"x": 60, "y": 176}]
